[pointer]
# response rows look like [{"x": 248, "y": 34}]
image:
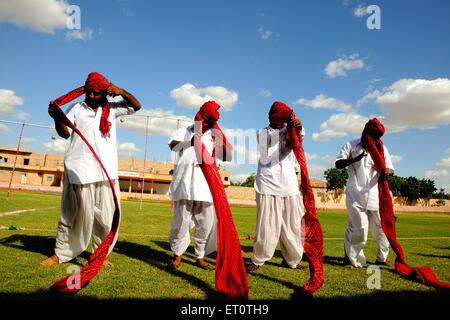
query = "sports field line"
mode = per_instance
[
  {"x": 22, "y": 211},
  {"x": 241, "y": 238}
]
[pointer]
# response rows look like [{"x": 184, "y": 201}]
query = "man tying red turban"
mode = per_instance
[
  {"x": 200, "y": 201},
  {"x": 378, "y": 198},
  {"x": 280, "y": 215},
  {"x": 90, "y": 203},
  {"x": 362, "y": 194}
]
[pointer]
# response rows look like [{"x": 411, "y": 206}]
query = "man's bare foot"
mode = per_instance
[
  {"x": 50, "y": 261},
  {"x": 202, "y": 264},
  {"x": 252, "y": 267},
  {"x": 174, "y": 264},
  {"x": 349, "y": 266},
  {"x": 107, "y": 264}
]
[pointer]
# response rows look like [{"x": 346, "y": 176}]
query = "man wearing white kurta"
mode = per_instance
[
  {"x": 87, "y": 205},
  {"x": 362, "y": 204},
  {"x": 193, "y": 202},
  {"x": 279, "y": 207}
]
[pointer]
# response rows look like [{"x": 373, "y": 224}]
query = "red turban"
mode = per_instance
[
  {"x": 279, "y": 113},
  {"x": 208, "y": 110},
  {"x": 94, "y": 81}
]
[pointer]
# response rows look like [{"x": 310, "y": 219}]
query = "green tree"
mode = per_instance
[
  {"x": 250, "y": 181},
  {"x": 336, "y": 178}
]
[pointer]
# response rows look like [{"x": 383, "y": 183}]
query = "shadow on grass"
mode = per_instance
[
  {"x": 39, "y": 244},
  {"x": 160, "y": 259}
]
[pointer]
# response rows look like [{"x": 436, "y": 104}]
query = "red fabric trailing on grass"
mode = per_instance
[
  {"x": 376, "y": 151},
  {"x": 81, "y": 278},
  {"x": 230, "y": 273},
  {"x": 311, "y": 228}
]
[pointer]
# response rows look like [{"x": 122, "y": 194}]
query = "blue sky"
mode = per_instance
[{"x": 319, "y": 57}]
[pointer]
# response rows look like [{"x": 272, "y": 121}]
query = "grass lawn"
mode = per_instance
[{"x": 142, "y": 252}]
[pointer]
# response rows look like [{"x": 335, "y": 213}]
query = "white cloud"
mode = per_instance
[
  {"x": 415, "y": 103},
  {"x": 447, "y": 150},
  {"x": 322, "y": 101},
  {"x": 191, "y": 97},
  {"x": 360, "y": 11},
  {"x": 39, "y": 15},
  {"x": 265, "y": 34},
  {"x": 8, "y": 101},
  {"x": 239, "y": 178},
  {"x": 443, "y": 164},
  {"x": 265, "y": 93},
  {"x": 4, "y": 128},
  {"x": 340, "y": 125},
  {"x": 160, "y": 122},
  {"x": 310, "y": 157},
  {"x": 441, "y": 172},
  {"x": 395, "y": 158},
  {"x": 21, "y": 115},
  {"x": 127, "y": 150},
  {"x": 85, "y": 34},
  {"x": 58, "y": 146},
  {"x": 315, "y": 170},
  {"x": 367, "y": 97},
  {"x": 338, "y": 68},
  {"x": 26, "y": 141}
]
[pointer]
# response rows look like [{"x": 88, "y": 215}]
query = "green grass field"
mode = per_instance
[{"x": 142, "y": 252}]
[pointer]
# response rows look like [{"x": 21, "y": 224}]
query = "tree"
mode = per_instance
[
  {"x": 250, "y": 181},
  {"x": 336, "y": 178}
]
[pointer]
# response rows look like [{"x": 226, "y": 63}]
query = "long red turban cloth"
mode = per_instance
[
  {"x": 230, "y": 273},
  {"x": 280, "y": 113},
  {"x": 374, "y": 128},
  {"x": 81, "y": 278}
]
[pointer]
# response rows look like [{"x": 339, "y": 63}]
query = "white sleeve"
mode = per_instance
[
  {"x": 120, "y": 107},
  {"x": 388, "y": 160},
  {"x": 178, "y": 135},
  {"x": 70, "y": 114},
  {"x": 345, "y": 152}
]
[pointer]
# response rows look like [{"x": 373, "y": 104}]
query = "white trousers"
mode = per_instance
[
  {"x": 87, "y": 210},
  {"x": 278, "y": 219},
  {"x": 186, "y": 215},
  {"x": 357, "y": 231}
]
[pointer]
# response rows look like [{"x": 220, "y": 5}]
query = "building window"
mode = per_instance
[
  {"x": 226, "y": 178},
  {"x": 49, "y": 178},
  {"x": 26, "y": 162},
  {"x": 6, "y": 159}
]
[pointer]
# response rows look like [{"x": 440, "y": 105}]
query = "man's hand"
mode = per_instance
[
  {"x": 54, "y": 111},
  {"x": 384, "y": 174},
  {"x": 359, "y": 157},
  {"x": 114, "y": 91},
  {"x": 295, "y": 123}
]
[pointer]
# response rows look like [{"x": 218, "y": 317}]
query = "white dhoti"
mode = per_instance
[
  {"x": 200, "y": 215},
  {"x": 357, "y": 231},
  {"x": 278, "y": 219},
  {"x": 87, "y": 210}
]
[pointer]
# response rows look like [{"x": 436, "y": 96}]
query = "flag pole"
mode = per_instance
[
  {"x": 15, "y": 160},
  {"x": 143, "y": 170}
]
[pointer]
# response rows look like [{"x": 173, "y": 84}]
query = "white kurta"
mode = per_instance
[
  {"x": 279, "y": 207},
  {"x": 362, "y": 204},
  {"x": 87, "y": 205},
  {"x": 193, "y": 203},
  {"x": 80, "y": 163}
]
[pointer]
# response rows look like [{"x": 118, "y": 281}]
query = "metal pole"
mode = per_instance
[
  {"x": 143, "y": 170},
  {"x": 14, "y": 166}
]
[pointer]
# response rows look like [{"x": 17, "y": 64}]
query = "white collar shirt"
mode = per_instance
[
  {"x": 362, "y": 183},
  {"x": 188, "y": 181},
  {"x": 276, "y": 165},
  {"x": 80, "y": 164}
]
